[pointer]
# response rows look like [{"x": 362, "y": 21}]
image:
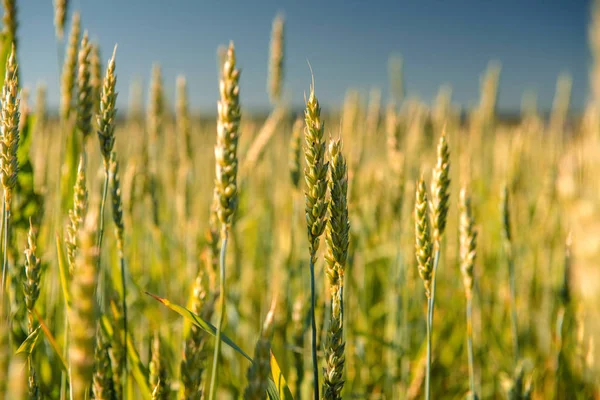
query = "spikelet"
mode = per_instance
[
  {"x": 31, "y": 285},
  {"x": 228, "y": 124},
  {"x": 424, "y": 245},
  {"x": 221, "y": 58},
  {"x": 338, "y": 228},
  {"x": 103, "y": 385},
  {"x": 468, "y": 241},
  {"x": 77, "y": 214},
  {"x": 60, "y": 16},
  {"x": 277, "y": 53},
  {"x": 194, "y": 351},
  {"x": 69, "y": 72},
  {"x": 9, "y": 140},
  {"x": 158, "y": 371},
  {"x": 108, "y": 111},
  {"x": 84, "y": 89},
  {"x": 83, "y": 314},
  {"x": 116, "y": 348},
  {"x": 182, "y": 120},
  {"x": 295, "y": 160},
  {"x": 315, "y": 173},
  {"x": 439, "y": 188},
  {"x": 260, "y": 370}
]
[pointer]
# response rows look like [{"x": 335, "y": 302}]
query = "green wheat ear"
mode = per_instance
[
  {"x": 107, "y": 116},
  {"x": 468, "y": 241},
  {"x": 69, "y": 70},
  {"x": 228, "y": 125},
  {"x": 337, "y": 231},
  {"x": 423, "y": 242},
  {"x": 315, "y": 173},
  {"x": 85, "y": 102},
  {"x": 440, "y": 188}
]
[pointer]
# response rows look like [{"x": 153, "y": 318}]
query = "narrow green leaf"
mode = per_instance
[
  {"x": 63, "y": 272},
  {"x": 201, "y": 323},
  {"x": 281, "y": 386},
  {"x": 52, "y": 342},
  {"x": 29, "y": 344}
]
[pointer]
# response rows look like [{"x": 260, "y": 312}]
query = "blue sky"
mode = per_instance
[{"x": 348, "y": 43}]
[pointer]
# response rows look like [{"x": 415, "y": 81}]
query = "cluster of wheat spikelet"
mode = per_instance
[{"x": 207, "y": 212}]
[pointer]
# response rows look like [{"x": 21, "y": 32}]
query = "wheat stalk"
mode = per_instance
[
  {"x": 468, "y": 245},
  {"x": 336, "y": 237},
  {"x": 9, "y": 145},
  {"x": 424, "y": 253},
  {"x": 117, "y": 216},
  {"x": 84, "y": 90},
  {"x": 315, "y": 173},
  {"x": 84, "y": 310},
  {"x": 228, "y": 123},
  {"x": 507, "y": 240},
  {"x": 106, "y": 134},
  {"x": 31, "y": 289}
]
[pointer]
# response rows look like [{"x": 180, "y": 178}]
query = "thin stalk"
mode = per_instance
[
  {"x": 101, "y": 218},
  {"x": 124, "y": 305},
  {"x": 430, "y": 307},
  {"x": 559, "y": 344},
  {"x": 314, "y": 330},
  {"x": 4, "y": 250},
  {"x": 215, "y": 366},
  {"x": 470, "y": 345},
  {"x": 63, "y": 375},
  {"x": 428, "y": 366},
  {"x": 6, "y": 213},
  {"x": 513, "y": 302}
]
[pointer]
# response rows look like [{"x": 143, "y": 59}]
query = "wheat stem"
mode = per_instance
[{"x": 213, "y": 379}]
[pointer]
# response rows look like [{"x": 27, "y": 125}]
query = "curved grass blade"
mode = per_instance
[
  {"x": 278, "y": 380},
  {"x": 63, "y": 271},
  {"x": 57, "y": 352},
  {"x": 201, "y": 323},
  {"x": 29, "y": 344}
]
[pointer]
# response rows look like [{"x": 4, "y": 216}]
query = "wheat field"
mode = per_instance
[{"x": 153, "y": 253}]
